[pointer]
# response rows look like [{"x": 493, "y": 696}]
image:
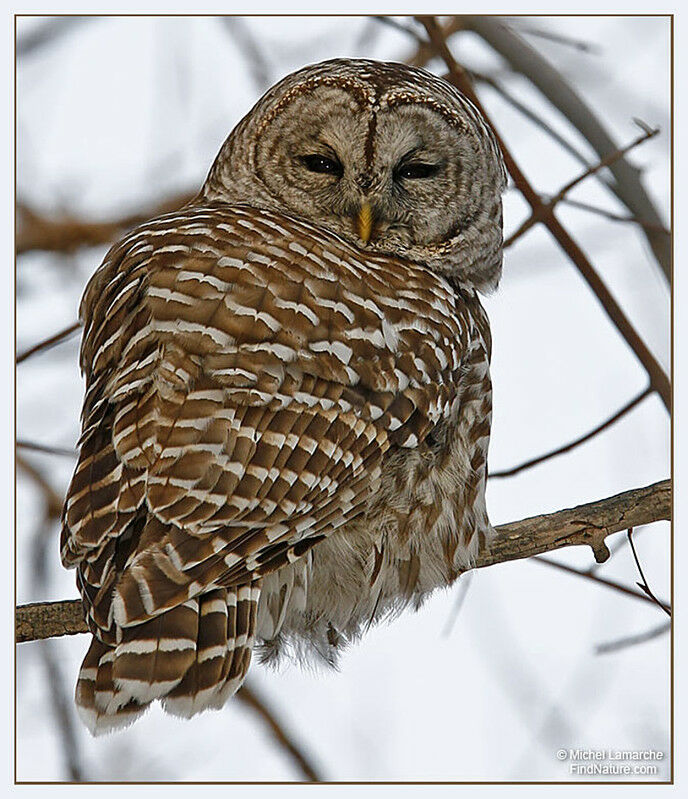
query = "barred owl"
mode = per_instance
[{"x": 288, "y": 400}]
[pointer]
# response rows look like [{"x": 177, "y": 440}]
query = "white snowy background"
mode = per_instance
[{"x": 122, "y": 112}]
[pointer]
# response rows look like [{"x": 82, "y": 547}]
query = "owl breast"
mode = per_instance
[{"x": 422, "y": 528}]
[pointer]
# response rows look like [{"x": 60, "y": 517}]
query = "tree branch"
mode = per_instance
[
  {"x": 584, "y": 525},
  {"x": 577, "y": 441},
  {"x": 47, "y": 343},
  {"x": 548, "y": 206},
  {"x": 249, "y": 697},
  {"x": 67, "y": 233},
  {"x": 594, "y": 577}
]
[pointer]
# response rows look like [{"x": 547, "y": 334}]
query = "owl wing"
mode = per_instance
[{"x": 246, "y": 373}]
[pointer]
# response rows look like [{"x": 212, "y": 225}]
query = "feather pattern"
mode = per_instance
[{"x": 256, "y": 389}]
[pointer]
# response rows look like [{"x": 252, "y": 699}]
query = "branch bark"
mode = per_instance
[{"x": 588, "y": 524}]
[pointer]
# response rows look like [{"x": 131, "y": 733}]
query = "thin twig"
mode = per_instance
[
  {"x": 585, "y": 525},
  {"x": 426, "y": 49},
  {"x": 458, "y": 78},
  {"x": 246, "y": 43},
  {"x": 47, "y": 343},
  {"x": 576, "y": 442},
  {"x": 249, "y": 697},
  {"x": 612, "y": 216},
  {"x": 546, "y": 208},
  {"x": 633, "y": 640},
  {"x": 614, "y": 549},
  {"x": 595, "y": 578},
  {"x": 34, "y": 447},
  {"x": 535, "y": 118},
  {"x": 643, "y": 585},
  {"x": 557, "y": 38},
  {"x": 53, "y": 501}
]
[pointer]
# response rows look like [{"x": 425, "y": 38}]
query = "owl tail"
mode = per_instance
[{"x": 192, "y": 657}]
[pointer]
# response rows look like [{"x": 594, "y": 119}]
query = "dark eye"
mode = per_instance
[
  {"x": 323, "y": 164},
  {"x": 415, "y": 170}
]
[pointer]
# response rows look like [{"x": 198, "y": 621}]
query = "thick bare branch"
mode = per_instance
[
  {"x": 39, "y": 620},
  {"x": 584, "y": 525}
]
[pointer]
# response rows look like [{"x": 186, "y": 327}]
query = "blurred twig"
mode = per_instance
[
  {"x": 53, "y": 501},
  {"x": 576, "y": 442},
  {"x": 527, "y": 61},
  {"x": 249, "y": 697},
  {"x": 49, "y": 342},
  {"x": 390, "y": 22},
  {"x": 557, "y": 38},
  {"x": 464, "y": 585},
  {"x": 643, "y": 585},
  {"x": 54, "y": 683},
  {"x": 34, "y": 447},
  {"x": 243, "y": 39},
  {"x": 48, "y": 33},
  {"x": 633, "y": 640},
  {"x": 585, "y": 525},
  {"x": 62, "y": 711},
  {"x": 68, "y": 233},
  {"x": 458, "y": 78}
]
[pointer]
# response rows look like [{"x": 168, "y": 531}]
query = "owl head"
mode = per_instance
[{"x": 389, "y": 157}]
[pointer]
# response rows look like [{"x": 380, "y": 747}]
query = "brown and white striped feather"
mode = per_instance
[{"x": 248, "y": 377}]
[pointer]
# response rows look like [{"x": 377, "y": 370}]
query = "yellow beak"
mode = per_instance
[{"x": 364, "y": 222}]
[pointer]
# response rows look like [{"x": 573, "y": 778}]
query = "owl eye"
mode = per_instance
[
  {"x": 323, "y": 165},
  {"x": 414, "y": 170}
]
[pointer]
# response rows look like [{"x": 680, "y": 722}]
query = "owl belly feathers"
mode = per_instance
[{"x": 423, "y": 526}]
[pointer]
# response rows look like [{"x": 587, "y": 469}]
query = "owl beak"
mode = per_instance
[{"x": 364, "y": 222}]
